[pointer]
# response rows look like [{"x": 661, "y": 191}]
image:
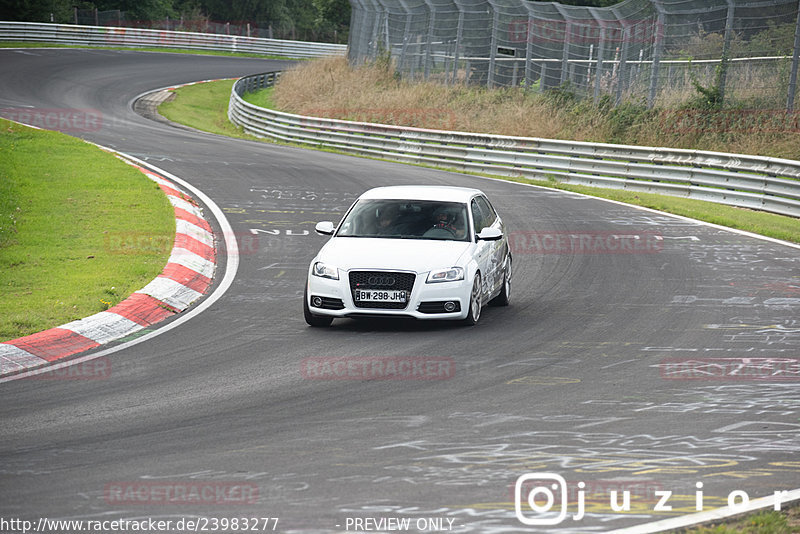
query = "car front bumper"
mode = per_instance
[{"x": 427, "y": 301}]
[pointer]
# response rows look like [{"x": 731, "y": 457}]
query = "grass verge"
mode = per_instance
[
  {"x": 769, "y": 522},
  {"x": 79, "y": 230},
  {"x": 331, "y": 87},
  {"x": 261, "y": 98},
  {"x": 204, "y": 106},
  {"x": 757, "y": 222},
  {"x": 25, "y": 44}
]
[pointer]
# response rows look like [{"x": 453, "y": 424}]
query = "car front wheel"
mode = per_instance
[
  {"x": 311, "y": 319},
  {"x": 474, "y": 311}
]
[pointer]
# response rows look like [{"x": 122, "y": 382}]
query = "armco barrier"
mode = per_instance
[
  {"x": 761, "y": 183},
  {"x": 67, "y": 34}
]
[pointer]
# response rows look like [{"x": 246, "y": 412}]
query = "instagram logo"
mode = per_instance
[{"x": 540, "y": 498}]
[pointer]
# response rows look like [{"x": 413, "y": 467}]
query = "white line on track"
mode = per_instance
[{"x": 643, "y": 208}]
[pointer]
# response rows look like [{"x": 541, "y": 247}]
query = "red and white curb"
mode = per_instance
[{"x": 186, "y": 277}]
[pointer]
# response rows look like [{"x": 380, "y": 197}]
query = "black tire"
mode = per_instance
[
  {"x": 504, "y": 298},
  {"x": 475, "y": 302},
  {"x": 311, "y": 319}
]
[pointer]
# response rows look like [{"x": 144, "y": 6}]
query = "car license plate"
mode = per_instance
[{"x": 373, "y": 295}]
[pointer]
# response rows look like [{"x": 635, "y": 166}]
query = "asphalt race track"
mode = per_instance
[{"x": 578, "y": 377}]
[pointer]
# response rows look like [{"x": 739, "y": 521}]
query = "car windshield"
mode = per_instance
[{"x": 406, "y": 219}]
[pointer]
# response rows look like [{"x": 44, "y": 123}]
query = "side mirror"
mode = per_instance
[
  {"x": 324, "y": 228},
  {"x": 490, "y": 234}
]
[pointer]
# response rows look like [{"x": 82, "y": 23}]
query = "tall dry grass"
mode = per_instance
[{"x": 330, "y": 87}]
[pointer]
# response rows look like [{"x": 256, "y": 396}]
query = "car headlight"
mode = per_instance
[
  {"x": 325, "y": 271},
  {"x": 445, "y": 275}
]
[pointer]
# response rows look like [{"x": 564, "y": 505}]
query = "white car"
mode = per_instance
[{"x": 426, "y": 252}]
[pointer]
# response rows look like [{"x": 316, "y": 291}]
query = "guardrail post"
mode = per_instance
[
  {"x": 598, "y": 71},
  {"x": 373, "y": 35},
  {"x": 657, "y": 51},
  {"x": 401, "y": 61},
  {"x": 565, "y": 49},
  {"x": 493, "y": 45},
  {"x": 722, "y": 73},
  {"x": 529, "y": 55},
  {"x": 795, "y": 61},
  {"x": 361, "y": 31},
  {"x": 623, "y": 58},
  {"x": 431, "y": 24},
  {"x": 459, "y": 37}
]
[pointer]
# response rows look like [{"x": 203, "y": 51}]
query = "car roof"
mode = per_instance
[{"x": 422, "y": 192}]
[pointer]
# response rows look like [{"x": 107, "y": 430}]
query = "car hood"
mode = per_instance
[{"x": 420, "y": 255}]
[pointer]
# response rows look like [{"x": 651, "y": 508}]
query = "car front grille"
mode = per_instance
[{"x": 383, "y": 280}]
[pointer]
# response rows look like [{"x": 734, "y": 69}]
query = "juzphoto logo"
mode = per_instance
[{"x": 543, "y": 498}]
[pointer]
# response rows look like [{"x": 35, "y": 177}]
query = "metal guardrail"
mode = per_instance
[
  {"x": 135, "y": 37},
  {"x": 762, "y": 183}
]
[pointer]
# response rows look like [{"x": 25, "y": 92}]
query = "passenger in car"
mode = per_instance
[{"x": 387, "y": 219}]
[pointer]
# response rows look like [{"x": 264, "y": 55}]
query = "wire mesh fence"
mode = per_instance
[{"x": 662, "y": 52}]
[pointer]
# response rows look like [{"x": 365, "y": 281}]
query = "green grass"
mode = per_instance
[
  {"x": 204, "y": 106},
  {"x": 261, "y": 98},
  {"x": 79, "y": 230},
  {"x": 771, "y": 522},
  {"x": 25, "y": 44},
  {"x": 758, "y": 222}
]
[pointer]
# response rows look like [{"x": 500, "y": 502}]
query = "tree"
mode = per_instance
[
  {"x": 36, "y": 10},
  {"x": 140, "y": 9},
  {"x": 332, "y": 18}
]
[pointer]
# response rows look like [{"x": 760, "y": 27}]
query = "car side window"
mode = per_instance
[
  {"x": 489, "y": 215},
  {"x": 478, "y": 218}
]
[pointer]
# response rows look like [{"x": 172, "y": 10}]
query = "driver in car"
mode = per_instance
[{"x": 447, "y": 219}]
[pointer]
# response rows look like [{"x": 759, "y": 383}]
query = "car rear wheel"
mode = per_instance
[
  {"x": 474, "y": 310},
  {"x": 311, "y": 319}
]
